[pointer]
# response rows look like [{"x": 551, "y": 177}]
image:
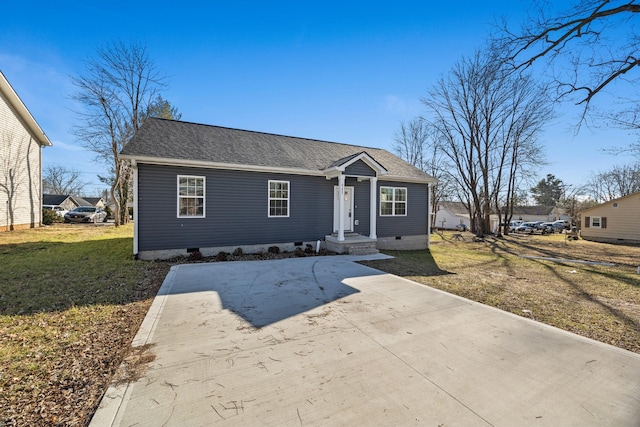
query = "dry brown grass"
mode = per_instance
[{"x": 597, "y": 301}]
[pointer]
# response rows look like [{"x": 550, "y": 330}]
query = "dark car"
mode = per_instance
[
  {"x": 86, "y": 214},
  {"x": 553, "y": 227},
  {"x": 527, "y": 227}
]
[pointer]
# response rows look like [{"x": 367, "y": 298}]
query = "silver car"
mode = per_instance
[{"x": 86, "y": 214}]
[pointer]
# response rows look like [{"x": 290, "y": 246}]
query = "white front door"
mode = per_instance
[{"x": 348, "y": 208}]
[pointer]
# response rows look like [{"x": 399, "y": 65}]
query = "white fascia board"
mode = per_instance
[
  {"x": 225, "y": 166},
  {"x": 369, "y": 161},
  {"x": 23, "y": 112}
]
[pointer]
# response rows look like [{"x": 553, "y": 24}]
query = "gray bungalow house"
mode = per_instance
[{"x": 209, "y": 189}]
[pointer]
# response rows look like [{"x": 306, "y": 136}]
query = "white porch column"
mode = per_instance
[
  {"x": 373, "y": 208},
  {"x": 340, "y": 208}
]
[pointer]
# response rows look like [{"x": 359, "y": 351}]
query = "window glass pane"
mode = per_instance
[
  {"x": 386, "y": 194},
  {"x": 386, "y": 208},
  {"x": 401, "y": 208},
  {"x": 401, "y": 194}
]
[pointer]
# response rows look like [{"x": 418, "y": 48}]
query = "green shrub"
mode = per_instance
[
  {"x": 222, "y": 256},
  {"x": 274, "y": 250},
  {"x": 49, "y": 217},
  {"x": 238, "y": 252}
]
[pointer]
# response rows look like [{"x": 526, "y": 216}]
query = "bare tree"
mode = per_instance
[
  {"x": 487, "y": 120},
  {"x": 415, "y": 142},
  {"x": 16, "y": 175},
  {"x": 617, "y": 182},
  {"x": 591, "y": 45},
  {"x": 117, "y": 89},
  {"x": 61, "y": 180}
]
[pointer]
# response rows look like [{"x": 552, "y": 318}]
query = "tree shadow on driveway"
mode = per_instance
[{"x": 266, "y": 292}]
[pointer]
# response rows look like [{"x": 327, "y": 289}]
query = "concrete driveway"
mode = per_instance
[{"x": 326, "y": 341}]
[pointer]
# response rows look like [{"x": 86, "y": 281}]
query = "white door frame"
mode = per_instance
[{"x": 348, "y": 209}]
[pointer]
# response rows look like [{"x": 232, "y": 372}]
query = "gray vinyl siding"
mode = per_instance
[
  {"x": 415, "y": 222},
  {"x": 359, "y": 168},
  {"x": 236, "y": 209}
]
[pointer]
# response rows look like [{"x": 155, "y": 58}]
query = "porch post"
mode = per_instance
[
  {"x": 340, "y": 208},
  {"x": 373, "y": 208}
]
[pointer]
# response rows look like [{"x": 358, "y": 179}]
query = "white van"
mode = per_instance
[{"x": 56, "y": 208}]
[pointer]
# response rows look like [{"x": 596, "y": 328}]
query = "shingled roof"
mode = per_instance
[{"x": 175, "y": 142}]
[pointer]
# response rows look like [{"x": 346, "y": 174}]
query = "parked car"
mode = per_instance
[
  {"x": 564, "y": 223},
  {"x": 86, "y": 214},
  {"x": 530, "y": 227},
  {"x": 553, "y": 227},
  {"x": 461, "y": 227},
  {"x": 59, "y": 210},
  {"x": 514, "y": 224}
]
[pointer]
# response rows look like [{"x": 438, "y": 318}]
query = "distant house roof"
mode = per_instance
[
  {"x": 162, "y": 141},
  {"x": 54, "y": 199},
  {"x": 454, "y": 207},
  {"x": 23, "y": 113},
  {"x": 93, "y": 200},
  {"x": 532, "y": 210},
  {"x": 58, "y": 199}
]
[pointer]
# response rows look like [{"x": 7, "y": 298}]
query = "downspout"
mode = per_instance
[
  {"x": 134, "y": 165},
  {"x": 373, "y": 208},
  {"x": 429, "y": 213}
]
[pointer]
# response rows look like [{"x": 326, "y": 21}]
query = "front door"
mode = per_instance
[{"x": 348, "y": 209}]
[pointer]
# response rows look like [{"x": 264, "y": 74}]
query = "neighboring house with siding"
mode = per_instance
[
  {"x": 209, "y": 189},
  {"x": 616, "y": 221},
  {"x": 70, "y": 202},
  {"x": 538, "y": 213},
  {"x": 451, "y": 214},
  {"x": 21, "y": 142}
]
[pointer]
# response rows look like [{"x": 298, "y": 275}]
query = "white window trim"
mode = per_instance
[
  {"x": 592, "y": 225},
  {"x": 204, "y": 196},
  {"x": 393, "y": 202},
  {"x": 288, "y": 199}
]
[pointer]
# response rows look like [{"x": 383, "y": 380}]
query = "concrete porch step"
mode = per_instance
[{"x": 363, "y": 251}]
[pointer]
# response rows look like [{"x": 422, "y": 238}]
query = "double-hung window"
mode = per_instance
[
  {"x": 278, "y": 199},
  {"x": 191, "y": 196},
  {"x": 393, "y": 201}
]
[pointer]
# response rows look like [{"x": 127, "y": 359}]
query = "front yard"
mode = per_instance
[
  {"x": 601, "y": 302},
  {"x": 72, "y": 298}
]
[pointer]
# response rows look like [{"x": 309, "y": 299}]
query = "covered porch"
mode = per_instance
[{"x": 344, "y": 239}]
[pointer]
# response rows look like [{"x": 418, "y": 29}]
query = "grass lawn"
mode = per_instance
[
  {"x": 596, "y": 301},
  {"x": 71, "y": 300}
]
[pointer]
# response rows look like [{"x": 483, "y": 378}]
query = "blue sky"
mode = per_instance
[{"x": 324, "y": 70}]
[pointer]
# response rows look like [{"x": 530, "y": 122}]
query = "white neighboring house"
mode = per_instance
[
  {"x": 538, "y": 213},
  {"x": 451, "y": 214},
  {"x": 616, "y": 221},
  {"x": 21, "y": 142}
]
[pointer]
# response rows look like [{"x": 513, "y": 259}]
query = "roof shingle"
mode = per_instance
[{"x": 163, "y": 139}]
